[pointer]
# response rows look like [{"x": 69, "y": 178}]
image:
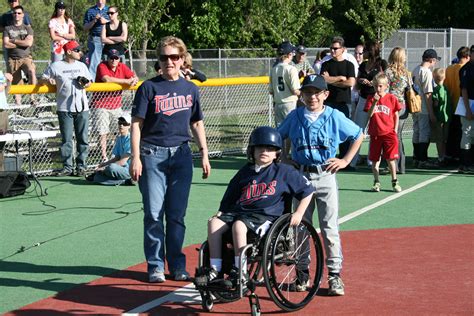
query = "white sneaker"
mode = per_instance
[
  {"x": 157, "y": 277},
  {"x": 336, "y": 286}
]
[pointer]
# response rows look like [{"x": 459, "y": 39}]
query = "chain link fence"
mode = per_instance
[{"x": 232, "y": 111}]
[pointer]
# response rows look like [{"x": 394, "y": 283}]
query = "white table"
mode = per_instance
[{"x": 27, "y": 135}]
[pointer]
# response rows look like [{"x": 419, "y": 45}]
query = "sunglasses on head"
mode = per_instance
[{"x": 173, "y": 57}]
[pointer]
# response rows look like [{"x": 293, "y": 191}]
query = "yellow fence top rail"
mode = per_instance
[{"x": 106, "y": 87}]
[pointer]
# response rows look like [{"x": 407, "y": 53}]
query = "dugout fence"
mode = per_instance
[{"x": 232, "y": 107}]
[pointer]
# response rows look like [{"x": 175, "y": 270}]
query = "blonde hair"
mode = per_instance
[
  {"x": 188, "y": 60},
  {"x": 396, "y": 61},
  {"x": 173, "y": 42},
  {"x": 380, "y": 78},
  {"x": 439, "y": 74}
]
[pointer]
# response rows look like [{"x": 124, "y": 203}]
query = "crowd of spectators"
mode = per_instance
[{"x": 72, "y": 71}]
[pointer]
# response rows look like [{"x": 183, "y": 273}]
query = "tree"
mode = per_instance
[
  {"x": 143, "y": 18},
  {"x": 378, "y": 18}
]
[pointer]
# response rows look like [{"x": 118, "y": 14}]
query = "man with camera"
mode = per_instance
[
  {"x": 107, "y": 106},
  {"x": 71, "y": 77}
]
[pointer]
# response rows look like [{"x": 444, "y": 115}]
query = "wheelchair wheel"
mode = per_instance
[
  {"x": 253, "y": 269},
  {"x": 293, "y": 256}
]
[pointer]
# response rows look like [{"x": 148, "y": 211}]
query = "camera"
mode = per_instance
[{"x": 82, "y": 80}]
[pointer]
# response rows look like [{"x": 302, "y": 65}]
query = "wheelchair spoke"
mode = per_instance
[{"x": 295, "y": 258}]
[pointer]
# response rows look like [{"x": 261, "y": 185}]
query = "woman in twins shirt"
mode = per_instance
[
  {"x": 165, "y": 109},
  {"x": 61, "y": 30}
]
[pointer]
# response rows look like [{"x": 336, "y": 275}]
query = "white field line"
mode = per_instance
[
  {"x": 395, "y": 196},
  {"x": 189, "y": 295}
]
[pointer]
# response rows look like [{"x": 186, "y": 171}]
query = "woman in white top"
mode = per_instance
[
  {"x": 61, "y": 30},
  {"x": 114, "y": 34}
]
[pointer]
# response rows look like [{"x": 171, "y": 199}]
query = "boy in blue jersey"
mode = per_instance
[
  {"x": 255, "y": 197},
  {"x": 115, "y": 171},
  {"x": 316, "y": 131}
]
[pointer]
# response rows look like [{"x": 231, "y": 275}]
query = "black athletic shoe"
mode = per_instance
[
  {"x": 62, "y": 172},
  {"x": 80, "y": 172}
]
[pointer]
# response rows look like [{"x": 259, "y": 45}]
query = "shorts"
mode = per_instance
[
  {"x": 15, "y": 66},
  {"x": 251, "y": 220},
  {"x": 439, "y": 132},
  {"x": 105, "y": 121},
  {"x": 281, "y": 110},
  {"x": 386, "y": 144}
]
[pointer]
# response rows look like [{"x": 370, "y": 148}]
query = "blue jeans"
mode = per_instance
[
  {"x": 78, "y": 123},
  {"x": 94, "y": 46},
  {"x": 164, "y": 184},
  {"x": 113, "y": 174}
]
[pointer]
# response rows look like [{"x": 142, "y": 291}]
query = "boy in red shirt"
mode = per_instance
[{"x": 383, "y": 111}]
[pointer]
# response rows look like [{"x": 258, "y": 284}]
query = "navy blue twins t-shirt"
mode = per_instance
[
  {"x": 168, "y": 108},
  {"x": 266, "y": 191}
]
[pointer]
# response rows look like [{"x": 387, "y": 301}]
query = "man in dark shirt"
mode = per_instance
[
  {"x": 339, "y": 74},
  {"x": 7, "y": 19}
]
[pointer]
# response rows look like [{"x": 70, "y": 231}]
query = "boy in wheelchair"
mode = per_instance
[{"x": 255, "y": 197}]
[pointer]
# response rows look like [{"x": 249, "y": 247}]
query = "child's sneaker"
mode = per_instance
[
  {"x": 336, "y": 286},
  {"x": 376, "y": 187},
  {"x": 396, "y": 186}
]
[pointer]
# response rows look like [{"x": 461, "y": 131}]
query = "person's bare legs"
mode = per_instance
[
  {"x": 103, "y": 146},
  {"x": 375, "y": 170},
  {"x": 239, "y": 235},
  {"x": 441, "y": 147},
  {"x": 215, "y": 229},
  {"x": 392, "y": 166}
]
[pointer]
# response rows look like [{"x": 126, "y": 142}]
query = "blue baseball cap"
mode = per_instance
[
  {"x": 314, "y": 81},
  {"x": 286, "y": 48}
]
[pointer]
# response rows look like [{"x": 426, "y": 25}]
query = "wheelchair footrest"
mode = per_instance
[{"x": 201, "y": 281}]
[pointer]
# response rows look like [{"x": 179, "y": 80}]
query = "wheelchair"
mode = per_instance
[{"x": 275, "y": 260}]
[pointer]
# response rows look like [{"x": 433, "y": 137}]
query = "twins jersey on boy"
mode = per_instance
[
  {"x": 264, "y": 192},
  {"x": 383, "y": 118}
]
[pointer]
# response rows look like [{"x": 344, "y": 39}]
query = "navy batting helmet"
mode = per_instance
[{"x": 264, "y": 136}]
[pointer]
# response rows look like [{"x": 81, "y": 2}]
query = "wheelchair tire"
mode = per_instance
[{"x": 285, "y": 248}]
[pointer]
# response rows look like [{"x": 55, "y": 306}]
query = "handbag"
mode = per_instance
[{"x": 412, "y": 98}]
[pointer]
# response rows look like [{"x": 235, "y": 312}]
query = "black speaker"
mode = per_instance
[{"x": 13, "y": 183}]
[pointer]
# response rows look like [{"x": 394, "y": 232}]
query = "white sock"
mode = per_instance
[
  {"x": 237, "y": 263},
  {"x": 216, "y": 264}
]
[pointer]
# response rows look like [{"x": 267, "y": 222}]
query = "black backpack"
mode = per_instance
[{"x": 13, "y": 183}]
